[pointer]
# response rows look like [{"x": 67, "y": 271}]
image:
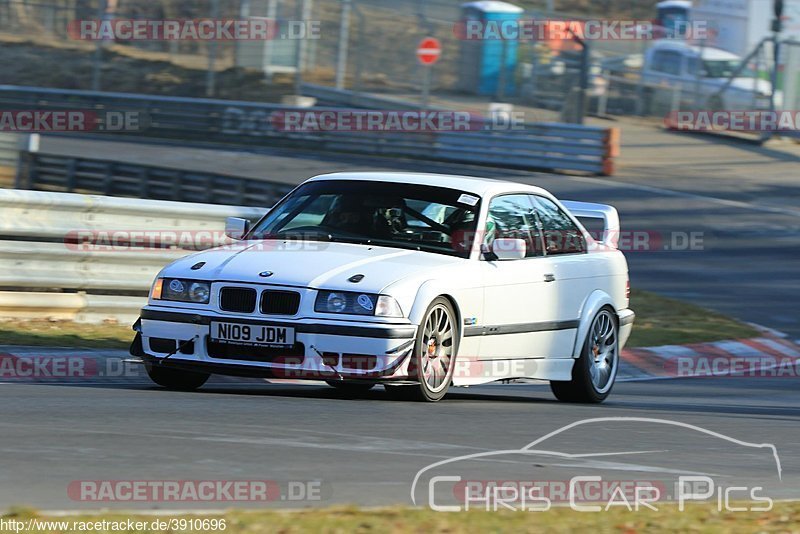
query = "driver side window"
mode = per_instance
[{"x": 512, "y": 217}]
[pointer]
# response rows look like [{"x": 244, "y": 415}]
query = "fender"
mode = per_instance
[
  {"x": 591, "y": 306},
  {"x": 429, "y": 291}
]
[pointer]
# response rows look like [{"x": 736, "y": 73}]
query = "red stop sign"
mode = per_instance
[{"x": 429, "y": 51}]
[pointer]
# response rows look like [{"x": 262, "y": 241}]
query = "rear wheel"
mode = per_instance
[
  {"x": 434, "y": 355},
  {"x": 176, "y": 379},
  {"x": 595, "y": 370}
]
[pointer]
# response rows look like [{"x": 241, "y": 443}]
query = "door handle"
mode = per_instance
[{"x": 549, "y": 278}]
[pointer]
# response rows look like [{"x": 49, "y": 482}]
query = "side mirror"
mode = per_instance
[
  {"x": 236, "y": 228},
  {"x": 509, "y": 249}
]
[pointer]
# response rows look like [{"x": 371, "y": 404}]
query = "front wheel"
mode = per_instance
[
  {"x": 175, "y": 378},
  {"x": 434, "y": 357},
  {"x": 595, "y": 370}
]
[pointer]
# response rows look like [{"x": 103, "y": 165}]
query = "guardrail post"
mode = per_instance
[
  {"x": 27, "y": 171},
  {"x": 240, "y": 192},
  {"x": 71, "y": 177},
  {"x": 209, "y": 189},
  {"x": 23, "y": 169},
  {"x": 108, "y": 179},
  {"x": 176, "y": 185},
  {"x": 144, "y": 181},
  {"x": 611, "y": 142}
]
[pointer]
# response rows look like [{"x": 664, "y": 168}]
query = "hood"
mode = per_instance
[
  {"x": 763, "y": 87},
  {"x": 309, "y": 264}
]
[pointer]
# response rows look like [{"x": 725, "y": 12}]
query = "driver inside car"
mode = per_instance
[{"x": 349, "y": 215}]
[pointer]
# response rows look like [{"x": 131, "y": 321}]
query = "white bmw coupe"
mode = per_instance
[{"x": 418, "y": 282}]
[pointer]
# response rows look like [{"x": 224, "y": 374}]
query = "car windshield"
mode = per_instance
[
  {"x": 420, "y": 217},
  {"x": 724, "y": 68}
]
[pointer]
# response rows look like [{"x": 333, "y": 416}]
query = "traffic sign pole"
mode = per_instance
[
  {"x": 426, "y": 88},
  {"x": 428, "y": 52}
]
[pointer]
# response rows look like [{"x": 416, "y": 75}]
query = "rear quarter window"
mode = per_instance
[{"x": 561, "y": 235}]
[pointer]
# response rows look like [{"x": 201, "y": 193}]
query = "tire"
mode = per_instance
[
  {"x": 595, "y": 370},
  {"x": 351, "y": 387},
  {"x": 434, "y": 357},
  {"x": 176, "y": 379}
]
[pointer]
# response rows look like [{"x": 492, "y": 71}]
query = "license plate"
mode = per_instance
[{"x": 252, "y": 334}]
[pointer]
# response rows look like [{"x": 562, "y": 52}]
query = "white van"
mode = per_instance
[{"x": 700, "y": 73}]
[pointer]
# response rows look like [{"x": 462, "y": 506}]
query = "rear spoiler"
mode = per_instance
[{"x": 609, "y": 215}]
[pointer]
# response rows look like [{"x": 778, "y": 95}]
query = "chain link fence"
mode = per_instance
[{"x": 370, "y": 46}]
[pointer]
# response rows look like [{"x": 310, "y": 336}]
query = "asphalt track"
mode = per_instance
[{"x": 367, "y": 451}]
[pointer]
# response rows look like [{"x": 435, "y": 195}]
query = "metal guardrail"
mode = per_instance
[
  {"x": 556, "y": 146},
  {"x": 330, "y": 96},
  {"x": 45, "y": 172},
  {"x": 77, "y": 307},
  {"x": 92, "y": 258},
  {"x": 536, "y": 146}
]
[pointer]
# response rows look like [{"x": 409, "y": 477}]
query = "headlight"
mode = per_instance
[
  {"x": 357, "y": 304},
  {"x": 179, "y": 290}
]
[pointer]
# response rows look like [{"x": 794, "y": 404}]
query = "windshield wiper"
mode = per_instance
[
  {"x": 393, "y": 244},
  {"x": 315, "y": 236}
]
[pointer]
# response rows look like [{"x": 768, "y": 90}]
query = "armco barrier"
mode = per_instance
[
  {"x": 330, "y": 96},
  {"x": 45, "y": 172},
  {"x": 542, "y": 146},
  {"x": 46, "y": 272}
]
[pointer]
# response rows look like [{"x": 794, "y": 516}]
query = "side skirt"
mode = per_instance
[{"x": 474, "y": 372}]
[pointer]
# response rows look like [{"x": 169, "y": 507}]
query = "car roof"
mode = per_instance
[
  {"x": 483, "y": 187},
  {"x": 709, "y": 52},
  {"x": 666, "y": 4}
]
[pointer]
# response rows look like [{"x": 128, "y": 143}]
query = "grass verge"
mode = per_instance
[
  {"x": 65, "y": 334},
  {"x": 698, "y": 518},
  {"x": 665, "y": 321},
  {"x": 659, "y": 321}
]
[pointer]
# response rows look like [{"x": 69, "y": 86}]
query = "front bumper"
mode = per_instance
[{"x": 323, "y": 350}]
